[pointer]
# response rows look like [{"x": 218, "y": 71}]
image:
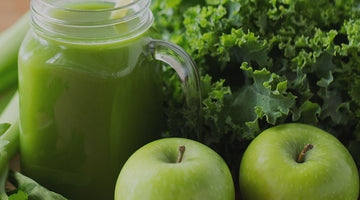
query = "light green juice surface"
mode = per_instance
[{"x": 84, "y": 111}]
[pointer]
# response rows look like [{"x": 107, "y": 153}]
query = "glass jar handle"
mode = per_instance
[{"x": 184, "y": 66}]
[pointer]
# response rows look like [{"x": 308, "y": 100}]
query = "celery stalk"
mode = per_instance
[
  {"x": 3, "y": 178},
  {"x": 10, "y": 41},
  {"x": 9, "y": 139}
]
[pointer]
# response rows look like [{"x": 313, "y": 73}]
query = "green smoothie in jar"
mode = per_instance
[{"x": 90, "y": 92}]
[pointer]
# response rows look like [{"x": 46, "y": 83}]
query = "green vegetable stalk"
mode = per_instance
[
  {"x": 9, "y": 139},
  {"x": 3, "y": 177},
  {"x": 10, "y": 41}
]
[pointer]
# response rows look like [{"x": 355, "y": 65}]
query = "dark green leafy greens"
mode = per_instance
[
  {"x": 262, "y": 63},
  {"x": 19, "y": 195}
]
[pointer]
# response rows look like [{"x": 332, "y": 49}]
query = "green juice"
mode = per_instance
[{"x": 85, "y": 108}]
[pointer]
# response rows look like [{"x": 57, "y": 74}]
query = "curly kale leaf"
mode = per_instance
[
  {"x": 266, "y": 97},
  {"x": 299, "y": 63}
]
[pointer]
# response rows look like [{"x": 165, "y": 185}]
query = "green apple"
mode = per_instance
[
  {"x": 297, "y": 161},
  {"x": 175, "y": 169}
]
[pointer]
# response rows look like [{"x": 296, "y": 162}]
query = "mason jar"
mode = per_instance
[{"x": 90, "y": 88}]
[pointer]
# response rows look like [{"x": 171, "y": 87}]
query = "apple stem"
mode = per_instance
[
  {"x": 301, "y": 157},
  {"x": 181, "y": 154}
]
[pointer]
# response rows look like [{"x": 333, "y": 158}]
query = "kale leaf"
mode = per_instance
[{"x": 263, "y": 63}]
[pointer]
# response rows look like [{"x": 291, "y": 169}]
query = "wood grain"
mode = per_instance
[{"x": 11, "y": 10}]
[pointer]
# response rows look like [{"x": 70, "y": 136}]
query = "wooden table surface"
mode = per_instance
[{"x": 11, "y": 10}]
